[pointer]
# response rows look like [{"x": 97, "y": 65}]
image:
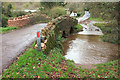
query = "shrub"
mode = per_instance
[
  {"x": 4, "y": 21},
  {"x": 6, "y": 29},
  {"x": 38, "y": 18},
  {"x": 110, "y": 31},
  {"x": 79, "y": 14},
  {"x": 19, "y": 13},
  {"x": 77, "y": 27},
  {"x": 56, "y": 12}
]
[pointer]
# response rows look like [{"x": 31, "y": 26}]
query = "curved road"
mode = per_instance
[{"x": 15, "y": 42}]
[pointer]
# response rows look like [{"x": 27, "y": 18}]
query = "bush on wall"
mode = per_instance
[
  {"x": 18, "y": 13},
  {"x": 38, "y": 18},
  {"x": 4, "y": 21}
]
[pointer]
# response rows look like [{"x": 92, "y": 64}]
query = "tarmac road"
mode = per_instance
[{"x": 13, "y": 43}]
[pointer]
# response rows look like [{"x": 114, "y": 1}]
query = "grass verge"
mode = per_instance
[
  {"x": 35, "y": 64},
  {"x": 7, "y": 29}
]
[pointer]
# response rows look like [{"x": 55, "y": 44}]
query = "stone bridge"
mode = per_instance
[{"x": 62, "y": 25}]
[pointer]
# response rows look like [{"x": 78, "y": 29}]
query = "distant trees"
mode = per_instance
[
  {"x": 105, "y": 10},
  {"x": 52, "y": 4},
  {"x": 6, "y": 13},
  {"x": 53, "y": 9},
  {"x": 6, "y": 9},
  {"x": 9, "y": 13}
]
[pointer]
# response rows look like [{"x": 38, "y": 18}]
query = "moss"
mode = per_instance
[
  {"x": 54, "y": 40},
  {"x": 61, "y": 24},
  {"x": 77, "y": 27},
  {"x": 50, "y": 43}
]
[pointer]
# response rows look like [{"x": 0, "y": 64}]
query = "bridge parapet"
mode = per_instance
[
  {"x": 26, "y": 19},
  {"x": 59, "y": 26}
]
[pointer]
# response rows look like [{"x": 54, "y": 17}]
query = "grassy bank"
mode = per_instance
[
  {"x": 95, "y": 19},
  {"x": 7, "y": 29},
  {"x": 35, "y": 64},
  {"x": 77, "y": 28},
  {"x": 110, "y": 31}
]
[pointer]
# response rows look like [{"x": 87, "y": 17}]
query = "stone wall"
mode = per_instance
[
  {"x": 24, "y": 20},
  {"x": 19, "y": 21},
  {"x": 59, "y": 26}
]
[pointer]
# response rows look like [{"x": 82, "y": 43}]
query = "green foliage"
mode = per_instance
[
  {"x": 47, "y": 67},
  {"x": 35, "y": 64},
  {"x": 38, "y": 18},
  {"x": 110, "y": 31},
  {"x": 56, "y": 12},
  {"x": 108, "y": 70},
  {"x": 6, "y": 13},
  {"x": 54, "y": 40},
  {"x": 96, "y": 19},
  {"x": 50, "y": 44},
  {"x": 9, "y": 13},
  {"x": 33, "y": 44},
  {"x": 6, "y": 9},
  {"x": 18, "y": 13},
  {"x": 79, "y": 14},
  {"x": 86, "y": 9},
  {"x": 104, "y": 10},
  {"x": 56, "y": 54},
  {"x": 59, "y": 40},
  {"x": 100, "y": 25},
  {"x": 52, "y": 4},
  {"x": 6, "y": 29},
  {"x": 4, "y": 21},
  {"x": 26, "y": 65},
  {"x": 77, "y": 27}
]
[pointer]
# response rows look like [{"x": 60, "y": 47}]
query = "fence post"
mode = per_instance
[{"x": 39, "y": 40}]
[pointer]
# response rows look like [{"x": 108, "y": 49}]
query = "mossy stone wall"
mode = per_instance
[{"x": 59, "y": 26}]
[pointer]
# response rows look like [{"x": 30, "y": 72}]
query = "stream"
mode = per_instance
[{"x": 86, "y": 47}]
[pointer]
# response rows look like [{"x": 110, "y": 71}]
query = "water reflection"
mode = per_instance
[{"x": 83, "y": 49}]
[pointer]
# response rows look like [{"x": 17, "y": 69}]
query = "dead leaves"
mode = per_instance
[{"x": 71, "y": 75}]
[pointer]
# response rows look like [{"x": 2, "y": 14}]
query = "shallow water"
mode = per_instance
[{"x": 89, "y": 49}]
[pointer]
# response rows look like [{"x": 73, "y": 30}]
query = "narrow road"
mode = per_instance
[{"x": 15, "y": 42}]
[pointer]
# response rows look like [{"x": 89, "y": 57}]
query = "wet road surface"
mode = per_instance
[{"x": 15, "y": 42}]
